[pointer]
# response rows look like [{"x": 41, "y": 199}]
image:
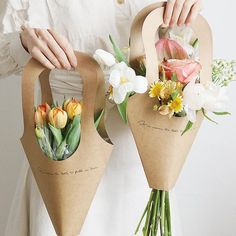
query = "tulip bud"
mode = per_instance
[
  {"x": 73, "y": 107},
  {"x": 39, "y": 132},
  {"x": 41, "y": 114},
  {"x": 57, "y": 117}
]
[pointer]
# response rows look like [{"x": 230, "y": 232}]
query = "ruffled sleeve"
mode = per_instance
[
  {"x": 32, "y": 13},
  {"x": 13, "y": 56}
]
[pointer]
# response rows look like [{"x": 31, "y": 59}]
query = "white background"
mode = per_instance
[{"x": 206, "y": 191}]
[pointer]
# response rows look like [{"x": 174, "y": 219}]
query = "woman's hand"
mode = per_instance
[
  {"x": 181, "y": 11},
  {"x": 49, "y": 48}
]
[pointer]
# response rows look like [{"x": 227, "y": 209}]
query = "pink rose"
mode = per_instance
[
  {"x": 170, "y": 49},
  {"x": 185, "y": 69}
]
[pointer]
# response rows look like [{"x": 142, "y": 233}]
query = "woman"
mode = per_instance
[{"x": 80, "y": 25}]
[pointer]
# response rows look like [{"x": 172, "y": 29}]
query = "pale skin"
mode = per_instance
[{"x": 54, "y": 51}]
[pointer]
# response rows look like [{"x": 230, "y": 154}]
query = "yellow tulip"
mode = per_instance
[
  {"x": 41, "y": 114},
  {"x": 73, "y": 107},
  {"x": 57, "y": 117}
]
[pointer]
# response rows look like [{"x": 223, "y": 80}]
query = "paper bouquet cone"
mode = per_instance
[
  {"x": 67, "y": 187},
  {"x": 162, "y": 149}
]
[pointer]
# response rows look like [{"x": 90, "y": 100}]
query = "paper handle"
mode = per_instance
[
  {"x": 143, "y": 34},
  {"x": 93, "y": 89}
]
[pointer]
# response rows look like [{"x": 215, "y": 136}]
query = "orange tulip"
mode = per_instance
[
  {"x": 58, "y": 117},
  {"x": 41, "y": 114},
  {"x": 73, "y": 107}
]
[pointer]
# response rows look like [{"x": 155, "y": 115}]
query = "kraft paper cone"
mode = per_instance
[
  {"x": 161, "y": 147},
  {"x": 67, "y": 187}
]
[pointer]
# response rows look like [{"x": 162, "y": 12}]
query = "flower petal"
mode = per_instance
[
  {"x": 140, "y": 84},
  {"x": 129, "y": 74},
  {"x": 119, "y": 95},
  {"x": 104, "y": 58},
  {"x": 114, "y": 79}
]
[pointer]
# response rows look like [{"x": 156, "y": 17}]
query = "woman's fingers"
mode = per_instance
[
  {"x": 176, "y": 12},
  {"x": 181, "y": 11},
  {"x": 49, "y": 48},
  {"x": 185, "y": 11},
  {"x": 54, "y": 47},
  {"x": 39, "y": 56},
  {"x": 195, "y": 10},
  {"x": 169, "y": 11},
  {"x": 66, "y": 47}
]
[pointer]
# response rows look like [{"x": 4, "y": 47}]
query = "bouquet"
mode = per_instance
[
  {"x": 66, "y": 145},
  {"x": 58, "y": 128},
  {"x": 165, "y": 119}
]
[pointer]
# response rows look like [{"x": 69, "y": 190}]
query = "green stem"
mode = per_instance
[
  {"x": 166, "y": 233},
  {"x": 150, "y": 225},
  {"x": 140, "y": 222},
  {"x": 162, "y": 213},
  {"x": 158, "y": 216},
  {"x": 145, "y": 229},
  {"x": 154, "y": 218},
  {"x": 168, "y": 214}
]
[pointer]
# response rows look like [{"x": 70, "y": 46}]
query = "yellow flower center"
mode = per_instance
[
  {"x": 123, "y": 80},
  {"x": 155, "y": 90},
  {"x": 176, "y": 105}
]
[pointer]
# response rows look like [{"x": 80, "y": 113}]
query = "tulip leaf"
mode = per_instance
[
  {"x": 61, "y": 150},
  {"x": 98, "y": 120},
  {"x": 119, "y": 55},
  {"x": 73, "y": 137},
  {"x": 56, "y": 134},
  {"x": 188, "y": 127},
  {"x": 222, "y": 113},
  {"x": 207, "y": 117},
  {"x": 122, "y": 108}
]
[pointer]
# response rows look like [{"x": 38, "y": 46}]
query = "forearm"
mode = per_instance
[{"x": 13, "y": 56}]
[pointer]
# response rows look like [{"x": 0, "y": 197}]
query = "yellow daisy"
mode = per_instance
[
  {"x": 176, "y": 105},
  {"x": 169, "y": 88},
  {"x": 155, "y": 90}
]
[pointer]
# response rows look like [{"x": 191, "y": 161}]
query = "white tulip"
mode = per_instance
[
  {"x": 124, "y": 80},
  {"x": 104, "y": 58}
]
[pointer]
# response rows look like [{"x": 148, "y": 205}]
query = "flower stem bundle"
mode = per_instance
[{"x": 157, "y": 215}]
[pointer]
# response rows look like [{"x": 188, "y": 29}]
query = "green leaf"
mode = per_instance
[
  {"x": 187, "y": 128},
  {"x": 56, "y": 134},
  {"x": 73, "y": 138},
  {"x": 207, "y": 117},
  {"x": 98, "y": 120},
  {"x": 122, "y": 108},
  {"x": 174, "y": 77},
  {"x": 222, "y": 113},
  {"x": 195, "y": 43},
  {"x": 119, "y": 55},
  {"x": 174, "y": 95}
]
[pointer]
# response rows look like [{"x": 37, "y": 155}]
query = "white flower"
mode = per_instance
[
  {"x": 193, "y": 99},
  {"x": 124, "y": 80},
  {"x": 183, "y": 36},
  {"x": 211, "y": 98},
  {"x": 215, "y": 99},
  {"x": 104, "y": 58}
]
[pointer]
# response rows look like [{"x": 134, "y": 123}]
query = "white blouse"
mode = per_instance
[{"x": 86, "y": 24}]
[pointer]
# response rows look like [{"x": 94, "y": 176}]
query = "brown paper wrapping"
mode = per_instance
[
  {"x": 161, "y": 147},
  {"x": 67, "y": 187}
]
